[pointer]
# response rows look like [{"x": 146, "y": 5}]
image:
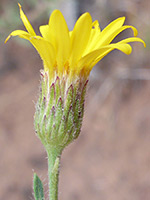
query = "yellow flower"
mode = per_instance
[
  {"x": 68, "y": 58},
  {"x": 74, "y": 53}
]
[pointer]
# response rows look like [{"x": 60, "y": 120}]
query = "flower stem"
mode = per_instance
[{"x": 53, "y": 173}]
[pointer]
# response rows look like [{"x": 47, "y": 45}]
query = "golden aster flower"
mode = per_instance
[
  {"x": 68, "y": 58},
  {"x": 74, "y": 53}
]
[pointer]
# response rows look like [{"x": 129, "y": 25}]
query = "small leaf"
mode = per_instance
[{"x": 38, "y": 188}]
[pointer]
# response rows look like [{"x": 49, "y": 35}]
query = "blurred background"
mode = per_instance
[{"x": 111, "y": 158}]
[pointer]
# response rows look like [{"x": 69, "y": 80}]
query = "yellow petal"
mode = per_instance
[
  {"x": 125, "y": 48},
  {"x": 95, "y": 26},
  {"x": 77, "y": 51},
  {"x": 132, "y": 39},
  {"x": 122, "y": 46},
  {"x": 70, "y": 33},
  {"x": 45, "y": 32},
  {"x": 95, "y": 32},
  {"x": 114, "y": 25},
  {"x": 26, "y": 22},
  {"x": 92, "y": 58},
  {"x": 106, "y": 35},
  {"x": 60, "y": 37},
  {"x": 46, "y": 51},
  {"x": 109, "y": 30},
  {"x": 80, "y": 36},
  {"x": 89, "y": 58},
  {"x": 114, "y": 34},
  {"x": 16, "y": 33},
  {"x": 44, "y": 48}
]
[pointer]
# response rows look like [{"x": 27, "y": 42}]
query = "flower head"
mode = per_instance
[
  {"x": 74, "y": 53},
  {"x": 68, "y": 58}
]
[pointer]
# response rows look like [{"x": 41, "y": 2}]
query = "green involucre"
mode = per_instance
[{"x": 59, "y": 111}]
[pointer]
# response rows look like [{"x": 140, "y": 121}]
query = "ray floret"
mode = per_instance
[{"x": 74, "y": 53}]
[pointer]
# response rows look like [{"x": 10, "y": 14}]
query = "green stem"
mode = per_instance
[{"x": 53, "y": 173}]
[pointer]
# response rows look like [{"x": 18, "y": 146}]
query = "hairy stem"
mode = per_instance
[{"x": 53, "y": 173}]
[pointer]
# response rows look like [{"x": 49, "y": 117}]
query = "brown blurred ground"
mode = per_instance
[{"x": 111, "y": 158}]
